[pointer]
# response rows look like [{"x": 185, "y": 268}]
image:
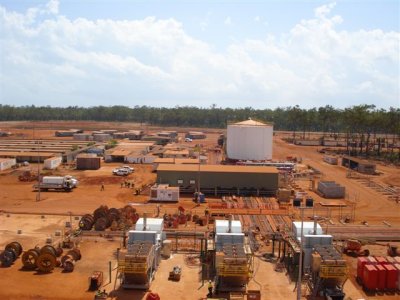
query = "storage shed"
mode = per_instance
[
  {"x": 7, "y": 163},
  {"x": 360, "y": 165},
  {"x": 88, "y": 161},
  {"x": 52, "y": 162},
  {"x": 220, "y": 179},
  {"x": 249, "y": 140}
]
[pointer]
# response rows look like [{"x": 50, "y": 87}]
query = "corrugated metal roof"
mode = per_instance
[
  {"x": 216, "y": 168},
  {"x": 24, "y": 153},
  {"x": 251, "y": 122},
  {"x": 166, "y": 160}
]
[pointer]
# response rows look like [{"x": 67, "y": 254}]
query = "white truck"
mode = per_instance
[{"x": 66, "y": 183}]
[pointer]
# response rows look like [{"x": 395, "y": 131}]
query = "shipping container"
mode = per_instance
[
  {"x": 88, "y": 162},
  {"x": 391, "y": 277},
  {"x": 361, "y": 262},
  {"x": 7, "y": 163},
  {"x": 381, "y": 277},
  {"x": 397, "y": 266},
  {"x": 332, "y": 160},
  {"x": 370, "y": 277},
  {"x": 330, "y": 189},
  {"x": 52, "y": 162}
]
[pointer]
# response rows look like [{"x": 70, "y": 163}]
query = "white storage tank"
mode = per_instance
[{"x": 249, "y": 140}]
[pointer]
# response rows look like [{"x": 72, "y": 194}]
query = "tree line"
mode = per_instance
[{"x": 355, "y": 119}]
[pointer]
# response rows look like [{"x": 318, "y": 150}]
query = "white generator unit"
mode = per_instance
[
  {"x": 140, "y": 261},
  {"x": 249, "y": 140},
  {"x": 164, "y": 193}
]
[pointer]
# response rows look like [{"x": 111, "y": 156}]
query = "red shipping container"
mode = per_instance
[
  {"x": 381, "y": 277},
  {"x": 381, "y": 260},
  {"x": 361, "y": 261},
  {"x": 372, "y": 260},
  {"x": 370, "y": 277},
  {"x": 397, "y": 266},
  {"x": 391, "y": 277}
]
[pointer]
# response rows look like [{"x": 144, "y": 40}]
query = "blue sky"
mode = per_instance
[{"x": 262, "y": 54}]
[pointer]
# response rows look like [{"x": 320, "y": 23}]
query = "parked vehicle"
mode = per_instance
[
  {"x": 128, "y": 168},
  {"x": 121, "y": 172},
  {"x": 188, "y": 140},
  {"x": 66, "y": 183}
]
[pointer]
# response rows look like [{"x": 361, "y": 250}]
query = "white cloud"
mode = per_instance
[
  {"x": 52, "y": 6},
  {"x": 257, "y": 19},
  {"x": 58, "y": 61},
  {"x": 228, "y": 21}
]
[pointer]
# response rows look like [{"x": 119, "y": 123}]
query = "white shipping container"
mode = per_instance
[
  {"x": 7, "y": 163},
  {"x": 52, "y": 162}
]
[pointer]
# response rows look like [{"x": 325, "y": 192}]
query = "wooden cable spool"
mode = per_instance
[
  {"x": 86, "y": 222},
  {"x": 101, "y": 224},
  {"x": 29, "y": 258},
  {"x": 69, "y": 265},
  {"x": 46, "y": 262},
  {"x": 15, "y": 246}
]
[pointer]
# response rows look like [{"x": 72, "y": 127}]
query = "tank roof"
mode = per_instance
[{"x": 251, "y": 122}]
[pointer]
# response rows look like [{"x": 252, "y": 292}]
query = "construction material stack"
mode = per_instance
[
  {"x": 140, "y": 261},
  {"x": 233, "y": 257},
  {"x": 328, "y": 272}
]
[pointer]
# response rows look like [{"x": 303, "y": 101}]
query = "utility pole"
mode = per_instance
[{"x": 38, "y": 165}]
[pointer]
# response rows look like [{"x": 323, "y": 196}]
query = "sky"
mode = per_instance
[{"x": 259, "y": 54}]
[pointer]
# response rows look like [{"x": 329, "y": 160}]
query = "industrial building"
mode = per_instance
[
  {"x": 195, "y": 135},
  {"x": 220, "y": 179},
  {"x": 134, "y": 134},
  {"x": 249, "y": 140},
  {"x": 171, "y": 134},
  {"x": 39, "y": 150},
  {"x": 130, "y": 151},
  {"x": 67, "y": 133},
  {"x": 360, "y": 165}
]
